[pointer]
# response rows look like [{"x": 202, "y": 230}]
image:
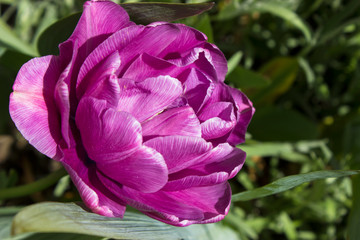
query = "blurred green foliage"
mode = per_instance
[{"x": 298, "y": 62}]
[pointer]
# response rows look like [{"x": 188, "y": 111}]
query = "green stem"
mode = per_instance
[{"x": 33, "y": 187}]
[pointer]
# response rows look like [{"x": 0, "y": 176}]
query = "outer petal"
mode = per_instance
[
  {"x": 181, "y": 208},
  {"x": 215, "y": 167},
  {"x": 99, "y": 20},
  {"x": 214, "y": 201},
  {"x": 179, "y": 151},
  {"x": 176, "y": 121},
  {"x": 95, "y": 195},
  {"x": 245, "y": 111},
  {"x": 149, "y": 97},
  {"x": 32, "y": 107},
  {"x": 106, "y": 134}
]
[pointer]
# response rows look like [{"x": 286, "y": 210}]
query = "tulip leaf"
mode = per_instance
[
  {"x": 289, "y": 182},
  {"x": 72, "y": 218},
  {"x": 145, "y": 13}
]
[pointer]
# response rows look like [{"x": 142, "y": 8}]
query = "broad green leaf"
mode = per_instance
[
  {"x": 9, "y": 39},
  {"x": 145, "y": 13},
  {"x": 354, "y": 218},
  {"x": 141, "y": 13},
  {"x": 246, "y": 79},
  {"x": 71, "y": 218},
  {"x": 6, "y": 215},
  {"x": 281, "y": 72},
  {"x": 272, "y": 123},
  {"x": 55, "y": 34},
  {"x": 55, "y": 236},
  {"x": 289, "y": 182},
  {"x": 234, "y": 61}
]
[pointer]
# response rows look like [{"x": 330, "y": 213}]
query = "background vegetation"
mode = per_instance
[{"x": 296, "y": 60}]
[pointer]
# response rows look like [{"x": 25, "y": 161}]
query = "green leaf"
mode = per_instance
[
  {"x": 55, "y": 34},
  {"x": 281, "y": 72},
  {"x": 289, "y": 182},
  {"x": 272, "y": 123},
  {"x": 6, "y": 215},
  {"x": 71, "y": 218},
  {"x": 234, "y": 61},
  {"x": 145, "y": 13},
  {"x": 354, "y": 218},
  {"x": 9, "y": 39}
]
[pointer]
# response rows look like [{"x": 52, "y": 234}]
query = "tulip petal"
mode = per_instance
[
  {"x": 219, "y": 165},
  {"x": 198, "y": 88},
  {"x": 32, "y": 106},
  {"x": 219, "y": 120},
  {"x": 106, "y": 134},
  {"x": 149, "y": 97},
  {"x": 245, "y": 112},
  {"x": 179, "y": 152},
  {"x": 187, "y": 39},
  {"x": 146, "y": 66},
  {"x": 180, "y": 121},
  {"x": 95, "y": 195},
  {"x": 145, "y": 170},
  {"x": 182, "y": 208},
  {"x": 99, "y": 20},
  {"x": 94, "y": 78}
]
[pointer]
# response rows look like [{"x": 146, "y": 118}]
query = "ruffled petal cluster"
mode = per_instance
[{"x": 138, "y": 115}]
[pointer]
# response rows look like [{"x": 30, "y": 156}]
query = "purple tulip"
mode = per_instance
[{"x": 138, "y": 115}]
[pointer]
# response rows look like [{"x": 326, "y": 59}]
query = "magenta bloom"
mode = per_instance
[{"x": 138, "y": 115}]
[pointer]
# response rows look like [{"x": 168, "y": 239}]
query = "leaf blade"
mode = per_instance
[
  {"x": 145, "y": 13},
  {"x": 289, "y": 182},
  {"x": 71, "y": 218}
]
